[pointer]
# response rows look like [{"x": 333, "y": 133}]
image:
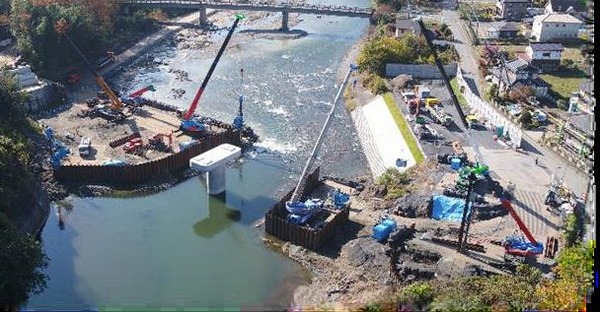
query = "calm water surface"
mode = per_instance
[{"x": 182, "y": 248}]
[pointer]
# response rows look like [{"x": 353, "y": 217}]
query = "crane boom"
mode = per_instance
[
  {"x": 114, "y": 99},
  {"x": 194, "y": 104},
  {"x": 313, "y": 154},
  {"x": 506, "y": 204}
]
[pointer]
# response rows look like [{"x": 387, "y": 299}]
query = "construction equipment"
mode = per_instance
[
  {"x": 141, "y": 91},
  {"x": 295, "y": 205},
  {"x": 238, "y": 121},
  {"x": 84, "y": 147},
  {"x": 193, "y": 126},
  {"x": 422, "y": 92},
  {"x": 132, "y": 145},
  {"x": 438, "y": 114},
  {"x": 413, "y": 106},
  {"x": 516, "y": 247},
  {"x": 105, "y": 60},
  {"x": 431, "y": 101},
  {"x": 113, "y": 113},
  {"x": 340, "y": 199},
  {"x": 156, "y": 142}
]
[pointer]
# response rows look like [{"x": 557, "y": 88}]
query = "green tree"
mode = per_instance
[
  {"x": 23, "y": 261},
  {"x": 526, "y": 118}
]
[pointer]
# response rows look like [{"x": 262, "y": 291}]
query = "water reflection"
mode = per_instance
[{"x": 220, "y": 216}]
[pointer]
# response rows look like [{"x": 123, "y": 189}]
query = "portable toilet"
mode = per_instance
[
  {"x": 455, "y": 163},
  {"x": 499, "y": 131}
]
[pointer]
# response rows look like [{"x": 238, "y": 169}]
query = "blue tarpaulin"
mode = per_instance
[{"x": 447, "y": 208}]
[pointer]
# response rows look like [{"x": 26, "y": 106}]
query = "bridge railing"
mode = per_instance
[{"x": 257, "y": 4}]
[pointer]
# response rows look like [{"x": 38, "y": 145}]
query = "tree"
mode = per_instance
[
  {"x": 526, "y": 118},
  {"x": 23, "y": 261},
  {"x": 575, "y": 276},
  {"x": 384, "y": 14},
  {"x": 521, "y": 93}
]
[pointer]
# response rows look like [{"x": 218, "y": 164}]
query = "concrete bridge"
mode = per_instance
[{"x": 284, "y": 8}]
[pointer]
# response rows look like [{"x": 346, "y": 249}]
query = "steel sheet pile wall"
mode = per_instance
[
  {"x": 138, "y": 173},
  {"x": 276, "y": 223}
]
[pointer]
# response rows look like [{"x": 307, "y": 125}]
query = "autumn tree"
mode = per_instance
[
  {"x": 521, "y": 93},
  {"x": 574, "y": 278},
  {"x": 408, "y": 49}
]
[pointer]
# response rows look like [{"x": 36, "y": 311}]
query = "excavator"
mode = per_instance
[
  {"x": 157, "y": 143},
  {"x": 114, "y": 111},
  {"x": 194, "y": 126}
]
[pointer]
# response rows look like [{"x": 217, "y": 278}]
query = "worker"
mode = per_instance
[{"x": 536, "y": 161}]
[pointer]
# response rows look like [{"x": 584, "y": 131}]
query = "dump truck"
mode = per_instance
[
  {"x": 439, "y": 115},
  {"x": 422, "y": 92}
]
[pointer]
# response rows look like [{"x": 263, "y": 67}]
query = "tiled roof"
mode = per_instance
[
  {"x": 546, "y": 46},
  {"x": 563, "y": 5},
  {"x": 516, "y": 64},
  {"x": 505, "y": 26},
  {"x": 408, "y": 24}
]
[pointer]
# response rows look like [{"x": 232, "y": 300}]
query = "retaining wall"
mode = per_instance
[
  {"x": 276, "y": 222},
  {"x": 138, "y": 173},
  {"x": 419, "y": 71}
]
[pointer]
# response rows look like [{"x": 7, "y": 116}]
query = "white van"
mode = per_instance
[{"x": 84, "y": 147}]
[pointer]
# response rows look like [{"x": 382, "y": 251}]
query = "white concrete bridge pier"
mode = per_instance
[{"x": 213, "y": 162}]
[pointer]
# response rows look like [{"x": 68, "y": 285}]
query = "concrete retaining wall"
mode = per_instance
[
  {"x": 419, "y": 71},
  {"x": 32, "y": 215},
  {"x": 138, "y": 173}
]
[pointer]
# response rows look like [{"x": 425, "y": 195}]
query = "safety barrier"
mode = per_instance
[
  {"x": 138, "y": 173},
  {"x": 276, "y": 223}
]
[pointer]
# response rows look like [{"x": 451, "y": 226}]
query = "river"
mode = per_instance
[{"x": 181, "y": 248}]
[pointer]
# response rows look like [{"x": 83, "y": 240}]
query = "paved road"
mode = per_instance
[{"x": 531, "y": 179}]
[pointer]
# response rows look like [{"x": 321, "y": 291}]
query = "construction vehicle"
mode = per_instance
[
  {"x": 431, "y": 101},
  {"x": 105, "y": 60},
  {"x": 194, "y": 126},
  {"x": 85, "y": 147},
  {"x": 157, "y": 143},
  {"x": 132, "y": 145},
  {"x": 310, "y": 207},
  {"x": 114, "y": 111},
  {"x": 517, "y": 249},
  {"x": 140, "y": 92},
  {"x": 422, "y": 92},
  {"x": 439, "y": 115},
  {"x": 413, "y": 106},
  {"x": 238, "y": 121}
]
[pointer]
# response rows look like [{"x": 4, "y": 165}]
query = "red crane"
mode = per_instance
[
  {"x": 189, "y": 125},
  {"x": 515, "y": 245}
]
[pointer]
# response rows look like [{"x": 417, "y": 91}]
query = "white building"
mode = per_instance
[
  {"x": 555, "y": 26},
  {"x": 545, "y": 56}
]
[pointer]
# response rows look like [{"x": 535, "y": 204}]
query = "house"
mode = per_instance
[
  {"x": 503, "y": 30},
  {"x": 517, "y": 72},
  {"x": 545, "y": 56},
  {"x": 565, "y": 6},
  {"x": 555, "y": 26},
  {"x": 512, "y": 10},
  {"x": 586, "y": 93},
  {"x": 407, "y": 26}
]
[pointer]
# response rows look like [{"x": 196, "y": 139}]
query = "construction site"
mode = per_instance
[{"x": 123, "y": 130}]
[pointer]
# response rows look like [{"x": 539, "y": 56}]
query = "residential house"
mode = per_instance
[
  {"x": 407, "y": 26},
  {"x": 576, "y": 8},
  {"x": 517, "y": 72},
  {"x": 555, "y": 26},
  {"x": 565, "y": 6},
  {"x": 512, "y": 10},
  {"x": 503, "y": 30},
  {"x": 545, "y": 56},
  {"x": 586, "y": 94}
]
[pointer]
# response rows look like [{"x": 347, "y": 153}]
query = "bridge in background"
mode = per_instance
[{"x": 284, "y": 8}]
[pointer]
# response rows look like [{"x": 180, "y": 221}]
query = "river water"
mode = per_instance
[{"x": 182, "y": 248}]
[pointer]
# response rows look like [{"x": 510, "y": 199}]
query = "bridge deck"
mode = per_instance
[{"x": 340, "y": 10}]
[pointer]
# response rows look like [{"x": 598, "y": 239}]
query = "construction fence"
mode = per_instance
[
  {"x": 138, "y": 173},
  {"x": 276, "y": 222},
  {"x": 489, "y": 112}
]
